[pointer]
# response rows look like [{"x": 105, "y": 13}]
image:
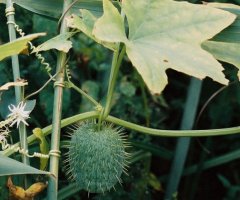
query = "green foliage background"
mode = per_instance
[{"x": 90, "y": 68}]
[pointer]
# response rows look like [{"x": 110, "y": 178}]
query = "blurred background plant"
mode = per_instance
[{"x": 212, "y": 166}]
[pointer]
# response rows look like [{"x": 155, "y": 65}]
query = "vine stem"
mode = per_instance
[
  {"x": 174, "y": 133},
  {"x": 155, "y": 132},
  {"x": 94, "y": 102},
  {"x": 10, "y": 11},
  {"x": 57, "y": 113},
  {"x": 40, "y": 89}
]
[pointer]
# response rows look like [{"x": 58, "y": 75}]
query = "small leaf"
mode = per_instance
[
  {"x": 15, "y": 47},
  {"x": 163, "y": 35},
  {"x": 60, "y": 42},
  {"x": 30, "y": 104},
  {"x": 86, "y": 24},
  {"x": 12, "y": 167}
]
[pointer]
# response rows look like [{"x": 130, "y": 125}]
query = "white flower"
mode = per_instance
[{"x": 18, "y": 113}]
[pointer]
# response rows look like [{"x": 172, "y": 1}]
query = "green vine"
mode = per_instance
[
  {"x": 142, "y": 129},
  {"x": 102, "y": 112}
]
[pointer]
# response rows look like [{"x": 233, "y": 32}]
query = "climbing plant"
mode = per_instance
[{"x": 152, "y": 37}]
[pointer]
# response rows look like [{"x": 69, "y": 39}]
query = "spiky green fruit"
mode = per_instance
[{"x": 96, "y": 158}]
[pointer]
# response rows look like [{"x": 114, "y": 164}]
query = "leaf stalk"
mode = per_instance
[{"x": 117, "y": 60}]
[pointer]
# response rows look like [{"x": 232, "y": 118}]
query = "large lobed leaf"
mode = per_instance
[
  {"x": 226, "y": 45},
  {"x": 165, "y": 34},
  {"x": 231, "y": 33},
  {"x": 224, "y": 51},
  {"x": 17, "y": 46}
]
